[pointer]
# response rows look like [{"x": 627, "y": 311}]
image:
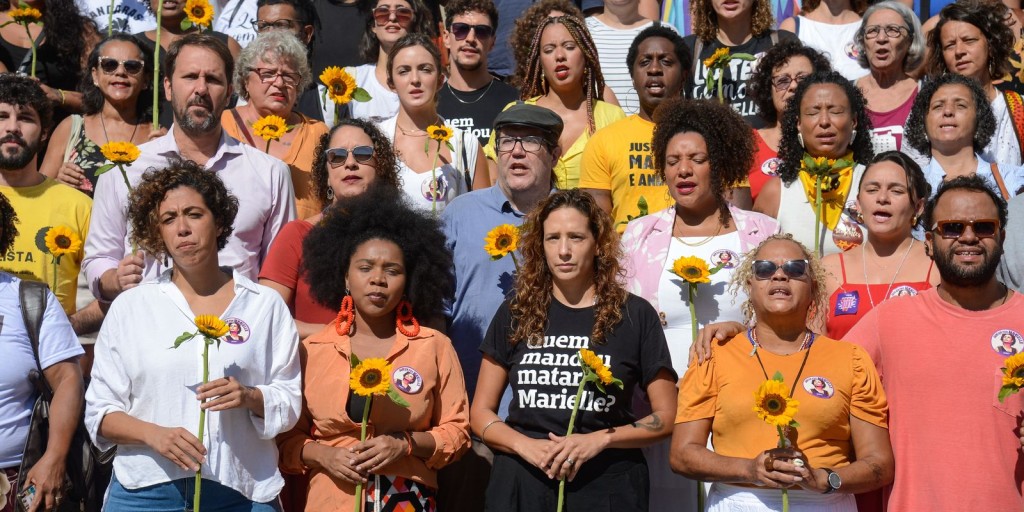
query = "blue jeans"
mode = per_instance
[{"x": 176, "y": 496}]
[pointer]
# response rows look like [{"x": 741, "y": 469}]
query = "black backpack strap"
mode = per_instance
[{"x": 32, "y": 296}]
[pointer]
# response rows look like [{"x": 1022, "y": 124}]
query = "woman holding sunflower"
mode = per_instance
[
  {"x": 568, "y": 299},
  {"x": 699, "y": 147},
  {"x": 761, "y": 385},
  {"x": 436, "y": 162},
  {"x": 383, "y": 274},
  {"x": 146, "y": 398}
]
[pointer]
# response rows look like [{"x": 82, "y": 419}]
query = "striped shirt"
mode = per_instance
[{"x": 612, "y": 46}]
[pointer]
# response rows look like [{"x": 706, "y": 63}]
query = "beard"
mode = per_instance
[
  {"x": 21, "y": 157},
  {"x": 958, "y": 275},
  {"x": 192, "y": 124}
]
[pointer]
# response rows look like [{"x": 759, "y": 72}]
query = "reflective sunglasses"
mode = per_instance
[
  {"x": 338, "y": 156},
  {"x": 109, "y": 65},
  {"x": 983, "y": 228},
  {"x": 461, "y": 31},
  {"x": 794, "y": 269},
  {"x": 403, "y": 16}
]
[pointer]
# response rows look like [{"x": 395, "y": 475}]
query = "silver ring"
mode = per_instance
[{"x": 570, "y": 462}]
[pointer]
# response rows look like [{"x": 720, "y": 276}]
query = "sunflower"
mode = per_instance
[
  {"x": 596, "y": 365},
  {"x": 199, "y": 12},
  {"x": 692, "y": 269},
  {"x": 773, "y": 404},
  {"x": 713, "y": 60},
  {"x": 270, "y": 127},
  {"x": 370, "y": 377},
  {"x": 1013, "y": 372},
  {"x": 121, "y": 153},
  {"x": 211, "y": 326},
  {"x": 440, "y": 133},
  {"x": 25, "y": 14},
  {"x": 340, "y": 84},
  {"x": 60, "y": 240},
  {"x": 501, "y": 240}
]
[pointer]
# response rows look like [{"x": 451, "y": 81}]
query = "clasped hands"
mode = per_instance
[
  {"x": 562, "y": 456},
  {"x": 780, "y": 468}
]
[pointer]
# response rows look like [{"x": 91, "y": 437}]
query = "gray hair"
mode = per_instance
[
  {"x": 273, "y": 46},
  {"x": 915, "y": 54}
]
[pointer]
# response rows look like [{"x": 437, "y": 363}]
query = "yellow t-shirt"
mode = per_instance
[
  {"x": 39, "y": 208},
  {"x": 567, "y": 170},
  {"x": 618, "y": 158},
  {"x": 723, "y": 389}
]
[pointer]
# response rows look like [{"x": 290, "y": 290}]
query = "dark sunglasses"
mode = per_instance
[
  {"x": 109, "y": 65},
  {"x": 794, "y": 269},
  {"x": 403, "y": 16},
  {"x": 461, "y": 31},
  {"x": 338, "y": 156},
  {"x": 983, "y": 228}
]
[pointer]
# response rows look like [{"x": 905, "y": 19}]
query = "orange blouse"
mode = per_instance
[{"x": 437, "y": 404}]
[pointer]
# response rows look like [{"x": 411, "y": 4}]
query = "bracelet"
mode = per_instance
[
  {"x": 487, "y": 426},
  {"x": 408, "y": 440},
  {"x": 62, "y": 97}
]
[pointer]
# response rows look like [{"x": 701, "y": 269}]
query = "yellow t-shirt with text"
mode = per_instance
[{"x": 39, "y": 208}]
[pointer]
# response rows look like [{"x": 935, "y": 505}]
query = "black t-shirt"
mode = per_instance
[
  {"x": 545, "y": 379},
  {"x": 339, "y": 29},
  {"x": 474, "y": 111},
  {"x": 735, "y": 86}
]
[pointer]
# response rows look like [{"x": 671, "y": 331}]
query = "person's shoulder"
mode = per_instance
[
  {"x": 606, "y": 113},
  {"x": 470, "y": 200},
  {"x": 505, "y": 90},
  {"x": 784, "y": 35},
  {"x": 65, "y": 193}
]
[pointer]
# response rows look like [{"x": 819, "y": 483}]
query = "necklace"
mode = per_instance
[
  {"x": 806, "y": 344},
  {"x": 415, "y": 132},
  {"x": 867, "y": 285},
  {"x": 468, "y": 102},
  {"x": 702, "y": 242},
  {"x": 104, "y": 126}
]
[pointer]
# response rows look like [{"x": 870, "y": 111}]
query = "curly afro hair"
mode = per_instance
[
  {"x": 984, "y": 120},
  {"x": 988, "y": 17},
  {"x": 383, "y": 158},
  {"x": 791, "y": 151},
  {"x": 379, "y": 214},
  {"x": 729, "y": 140},
  {"x": 776, "y": 57},
  {"x": 8, "y": 219},
  {"x": 705, "y": 19},
  {"x": 144, "y": 202},
  {"x": 23, "y": 91}
]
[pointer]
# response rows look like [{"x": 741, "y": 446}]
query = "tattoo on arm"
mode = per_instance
[{"x": 652, "y": 423}]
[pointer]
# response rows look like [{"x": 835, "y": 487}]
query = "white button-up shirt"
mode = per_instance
[
  {"x": 137, "y": 372},
  {"x": 261, "y": 183}
]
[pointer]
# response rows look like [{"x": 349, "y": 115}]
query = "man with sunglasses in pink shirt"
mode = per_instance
[{"x": 957, "y": 446}]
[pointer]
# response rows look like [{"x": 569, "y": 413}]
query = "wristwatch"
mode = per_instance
[{"x": 833, "y": 481}]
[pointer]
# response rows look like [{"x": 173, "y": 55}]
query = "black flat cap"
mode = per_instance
[{"x": 522, "y": 114}]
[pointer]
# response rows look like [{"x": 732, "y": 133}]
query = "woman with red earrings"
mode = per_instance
[{"x": 384, "y": 272}]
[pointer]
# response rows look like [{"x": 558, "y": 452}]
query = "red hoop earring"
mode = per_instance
[
  {"x": 403, "y": 315},
  {"x": 346, "y": 316}
]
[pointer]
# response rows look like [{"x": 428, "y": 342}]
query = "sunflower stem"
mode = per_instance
[
  {"x": 110, "y": 19},
  {"x": 568, "y": 432},
  {"x": 55, "y": 272},
  {"x": 718, "y": 82},
  {"x": 692, "y": 288},
  {"x": 202, "y": 421},
  {"x": 817, "y": 215},
  {"x": 156, "y": 72},
  {"x": 433, "y": 180},
  {"x": 362, "y": 437},
  {"x": 267, "y": 151}
]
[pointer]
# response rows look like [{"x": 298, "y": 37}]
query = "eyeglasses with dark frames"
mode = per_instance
[
  {"x": 953, "y": 229},
  {"x": 530, "y": 143},
  {"x": 782, "y": 82},
  {"x": 268, "y": 76}
]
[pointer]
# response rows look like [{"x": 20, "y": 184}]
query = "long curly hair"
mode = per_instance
[
  {"x": 984, "y": 120},
  {"x": 383, "y": 155},
  {"x": 526, "y": 26},
  {"x": 533, "y": 287},
  {"x": 728, "y": 138},
  {"x": 990, "y": 19},
  {"x": 380, "y": 214},
  {"x": 777, "y": 56},
  {"x": 422, "y": 23},
  {"x": 705, "y": 19},
  {"x": 791, "y": 151},
  {"x": 8, "y": 221},
  {"x": 66, "y": 29},
  {"x": 743, "y": 279},
  {"x": 535, "y": 83},
  {"x": 92, "y": 96}
]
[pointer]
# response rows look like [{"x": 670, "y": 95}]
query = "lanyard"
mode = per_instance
[{"x": 808, "y": 341}]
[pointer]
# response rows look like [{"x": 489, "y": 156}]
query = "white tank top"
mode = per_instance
[
  {"x": 836, "y": 42},
  {"x": 796, "y": 216}
]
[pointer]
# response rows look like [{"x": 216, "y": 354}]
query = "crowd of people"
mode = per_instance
[{"x": 568, "y": 259}]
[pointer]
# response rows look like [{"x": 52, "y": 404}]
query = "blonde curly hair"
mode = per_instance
[{"x": 744, "y": 276}]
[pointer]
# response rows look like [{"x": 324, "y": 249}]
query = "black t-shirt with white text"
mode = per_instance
[
  {"x": 545, "y": 378},
  {"x": 474, "y": 111}
]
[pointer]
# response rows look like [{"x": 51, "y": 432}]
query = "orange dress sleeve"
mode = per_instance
[
  {"x": 867, "y": 400},
  {"x": 451, "y": 435},
  {"x": 698, "y": 391}
]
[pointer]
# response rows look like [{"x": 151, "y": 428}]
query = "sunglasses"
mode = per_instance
[
  {"x": 403, "y": 16},
  {"x": 983, "y": 228},
  {"x": 461, "y": 31},
  {"x": 338, "y": 156},
  {"x": 794, "y": 269},
  {"x": 109, "y": 65}
]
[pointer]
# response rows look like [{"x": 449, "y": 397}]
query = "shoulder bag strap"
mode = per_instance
[
  {"x": 465, "y": 163},
  {"x": 999, "y": 181},
  {"x": 698, "y": 46},
  {"x": 1015, "y": 104},
  {"x": 774, "y": 35},
  {"x": 241, "y": 127},
  {"x": 77, "y": 125},
  {"x": 32, "y": 296}
]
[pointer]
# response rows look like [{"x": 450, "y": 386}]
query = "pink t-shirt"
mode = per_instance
[{"x": 955, "y": 444}]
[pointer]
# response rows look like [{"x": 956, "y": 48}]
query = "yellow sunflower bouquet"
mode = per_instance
[
  {"x": 369, "y": 378},
  {"x": 271, "y": 128},
  {"x": 502, "y": 241},
  {"x": 341, "y": 88},
  {"x": 1013, "y": 376},
  {"x": 212, "y": 329},
  {"x": 59, "y": 241},
  {"x": 716, "y": 65},
  {"x": 442, "y": 134},
  {"x": 775, "y": 406},
  {"x": 24, "y": 16},
  {"x": 199, "y": 14},
  {"x": 828, "y": 175},
  {"x": 694, "y": 272},
  {"x": 594, "y": 370}
]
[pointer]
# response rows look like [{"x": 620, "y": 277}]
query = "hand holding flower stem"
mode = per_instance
[
  {"x": 774, "y": 404},
  {"x": 441, "y": 134},
  {"x": 369, "y": 378}
]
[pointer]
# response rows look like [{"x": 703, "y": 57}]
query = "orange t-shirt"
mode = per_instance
[{"x": 723, "y": 388}]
